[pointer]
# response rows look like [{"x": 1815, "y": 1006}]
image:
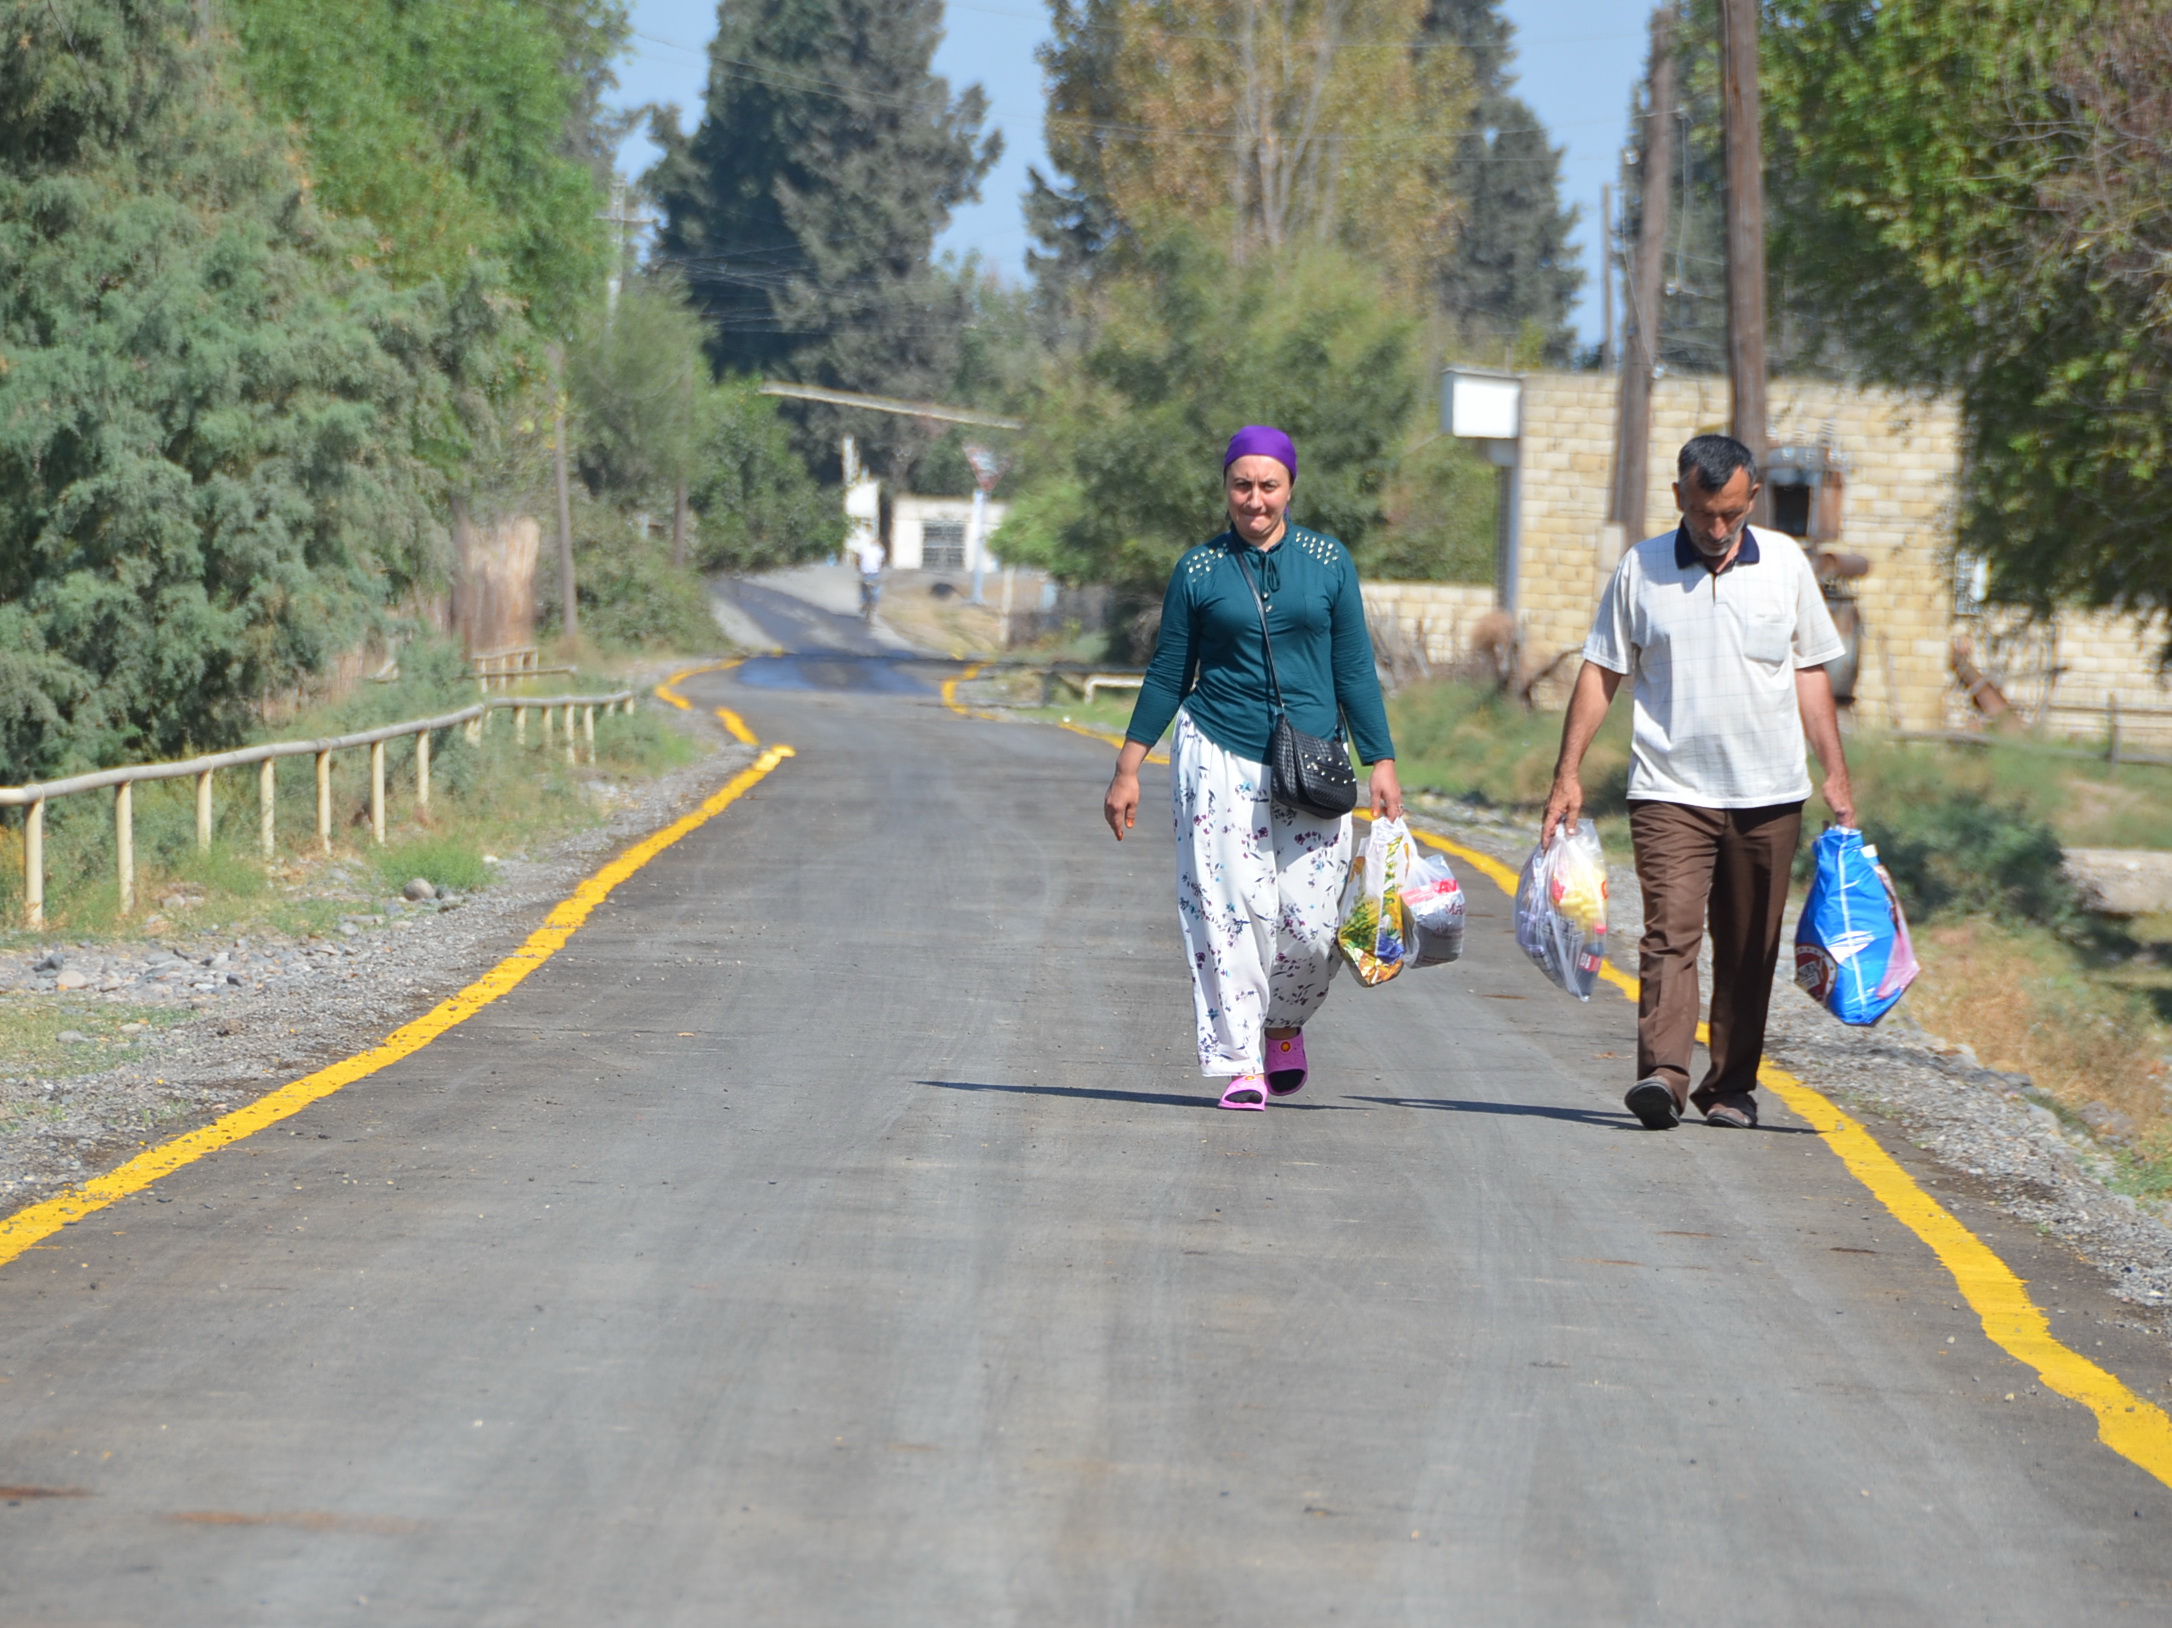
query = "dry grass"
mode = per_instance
[{"x": 2026, "y": 1001}]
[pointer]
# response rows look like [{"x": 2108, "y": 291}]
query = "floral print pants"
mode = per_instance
[{"x": 1258, "y": 887}]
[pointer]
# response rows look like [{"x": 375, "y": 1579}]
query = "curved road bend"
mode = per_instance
[{"x": 838, "y": 1232}]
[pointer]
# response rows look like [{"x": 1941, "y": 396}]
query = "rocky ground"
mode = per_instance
[
  {"x": 213, "y": 1021},
  {"x": 1995, "y": 1129}
]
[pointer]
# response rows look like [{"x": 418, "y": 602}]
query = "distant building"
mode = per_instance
[{"x": 936, "y": 533}]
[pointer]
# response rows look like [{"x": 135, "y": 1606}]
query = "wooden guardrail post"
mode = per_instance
[
  {"x": 550, "y": 717},
  {"x": 324, "y": 801},
  {"x": 124, "y": 842},
  {"x": 203, "y": 812},
  {"x": 422, "y": 772},
  {"x": 520, "y": 726},
  {"x": 34, "y": 864},
  {"x": 572, "y": 748},
  {"x": 588, "y": 728},
  {"x": 267, "y": 796},
  {"x": 377, "y": 790}
]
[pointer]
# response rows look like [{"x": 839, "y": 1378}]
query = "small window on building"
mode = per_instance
[
  {"x": 1791, "y": 507},
  {"x": 942, "y": 545}
]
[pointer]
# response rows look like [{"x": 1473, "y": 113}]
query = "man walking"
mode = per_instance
[{"x": 1726, "y": 635}]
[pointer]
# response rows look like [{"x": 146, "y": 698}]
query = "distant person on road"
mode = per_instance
[
  {"x": 867, "y": 551},
  {"x": 1724, "y": 631},
  {"x": 1258, "y": 882}
]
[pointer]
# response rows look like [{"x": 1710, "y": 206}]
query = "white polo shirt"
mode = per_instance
[{"x": 1713, "y": 658}]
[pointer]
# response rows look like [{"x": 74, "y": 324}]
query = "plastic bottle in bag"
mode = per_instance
[
  {"x": 1561, "y": 909},
  {"x": 1434, "y": 904}
]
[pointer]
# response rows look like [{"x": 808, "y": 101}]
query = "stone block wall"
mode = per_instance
[{"x": 1437, "y": 616}]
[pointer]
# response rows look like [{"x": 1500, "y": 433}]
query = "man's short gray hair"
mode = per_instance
[{"x": 1712, "y": 461}]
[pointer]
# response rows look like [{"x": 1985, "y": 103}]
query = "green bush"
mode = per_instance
[
  {"x": 632, "y": 596},
  {"x": 1958, "y": 852},
  {"x": 446, "y": 863}
]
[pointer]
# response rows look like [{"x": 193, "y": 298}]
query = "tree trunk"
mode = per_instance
[
  {"x": 1640, "y": 351},
  {"x": 569, "y": 622},
  {"x": 1745, "y": 230}
]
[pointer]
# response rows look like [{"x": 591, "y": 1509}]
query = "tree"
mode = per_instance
[
  {"x": 804, "y": 208},
  {"x": 460, "y": 130},
  {"x": 1188, "y": 347},
  {"x": 1512, "y": 269},
  {"x": 1300, "y": 122},
  {"x": 1976, "y": 199},
  {"x": 211, "y": 470}
]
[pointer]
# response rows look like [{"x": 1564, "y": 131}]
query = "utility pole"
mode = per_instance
[
  {"x": 1640, "y": 354},
  {"x": 1745, "y": 230},
  {"x": 618, "y": 220},
  {"x": 1606, "y": 278},
  {"x": 570, "y": 621}
]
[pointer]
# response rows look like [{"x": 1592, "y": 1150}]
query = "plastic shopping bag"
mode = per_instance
[
  {"x": 1561, "y": 909},
  {"x": 1852, "y": 953},
  {"x": 1434, "y": 904},
  {"x": 1374, "y": 933}
]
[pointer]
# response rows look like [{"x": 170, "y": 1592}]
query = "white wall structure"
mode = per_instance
[{"x": 936, "y": 533}]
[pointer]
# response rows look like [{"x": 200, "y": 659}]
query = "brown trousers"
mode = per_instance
[{"x": 1734, "y": 862}]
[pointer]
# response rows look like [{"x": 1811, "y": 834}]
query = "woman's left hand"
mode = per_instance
[{"x": 1387, "y": 791}]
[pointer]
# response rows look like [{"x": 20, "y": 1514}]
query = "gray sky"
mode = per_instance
[{"x": 1576, "y": 61}]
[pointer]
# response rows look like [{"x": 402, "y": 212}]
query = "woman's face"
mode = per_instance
[{"x": 1258, "y": 489}]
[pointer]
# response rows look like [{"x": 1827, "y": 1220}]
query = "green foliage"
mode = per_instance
[
  {"x": 631, "y": 596},
  {"x": 1128, "y": 443},
  {"x": 803, "y": 209},
  {"x": 1513, "y": 267},
  {"x": 211, "y": 476},
  {"x": 1957, "y": 853},
  {"x": 447, "y": 863},
  {"x": 444, "y": 125},
  {"x": 1441, "y": 505},
  {"x": 758, "y": 506},
  {"x": 1978, "y": 196},
  {"x": 647, "y": 417}
]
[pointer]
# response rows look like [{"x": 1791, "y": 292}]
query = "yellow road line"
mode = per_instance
[
  {"x": 950, "y": 700},
  {"x": 735, "y": 725},
  {"x": 27, "y": 1227},
  {"x": 2130, "y": 1426}
]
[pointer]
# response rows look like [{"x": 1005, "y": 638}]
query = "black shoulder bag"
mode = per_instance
[{"x": 1303, "y": 770}]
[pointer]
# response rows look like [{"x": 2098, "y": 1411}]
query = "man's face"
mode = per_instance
[{"x": 1715, "y": 519}]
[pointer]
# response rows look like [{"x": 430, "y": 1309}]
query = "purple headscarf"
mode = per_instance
[{"x": 1262, "y": 440}]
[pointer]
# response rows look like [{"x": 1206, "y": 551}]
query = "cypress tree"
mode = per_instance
[
  {"x": 209, "y": 479},
  {"x": 803, "y": 210},
  {"x": 1512, "y": 274}
]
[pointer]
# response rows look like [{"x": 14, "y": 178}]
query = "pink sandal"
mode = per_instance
[
  {"x": 1286, "y": 1064},
  {"x": 1253, "y": 1086}
]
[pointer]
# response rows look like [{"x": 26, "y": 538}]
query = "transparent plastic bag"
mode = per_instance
[
  {"x": 1434, "y": 904},
  {"x": 1561, "y": 909},
  {"x": 1852, "y": 954},
  {"x": 1374, "y": 933}
]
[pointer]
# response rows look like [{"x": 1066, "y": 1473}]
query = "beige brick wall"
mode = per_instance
[
  {"x": 1438, "y": 615},
  {"x": 1902, "y": 456}
]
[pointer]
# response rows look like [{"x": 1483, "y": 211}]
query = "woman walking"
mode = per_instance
[{"x": 1258, "y": 880}]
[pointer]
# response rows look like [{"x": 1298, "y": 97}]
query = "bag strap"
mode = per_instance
[{"x": 1266, "y": 639}]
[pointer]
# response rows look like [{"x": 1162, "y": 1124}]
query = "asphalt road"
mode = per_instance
[{"x": 838, "y": 1232}]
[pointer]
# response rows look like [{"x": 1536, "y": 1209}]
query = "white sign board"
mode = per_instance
[{"x": 1481, "y": 408}]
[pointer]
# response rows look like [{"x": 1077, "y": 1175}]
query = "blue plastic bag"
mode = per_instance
[{"x": 1852, "y": 953}]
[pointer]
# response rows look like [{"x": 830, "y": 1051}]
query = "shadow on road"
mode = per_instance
[
  {"x": 1161, "y": 1099},
  {"x": 1575, "y": 1116}
]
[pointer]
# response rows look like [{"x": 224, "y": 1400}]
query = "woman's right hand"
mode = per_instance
[{"x": 1121, "y": 806}]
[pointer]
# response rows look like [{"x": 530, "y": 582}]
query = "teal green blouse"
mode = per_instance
[{"x": 1210, "y": 659}]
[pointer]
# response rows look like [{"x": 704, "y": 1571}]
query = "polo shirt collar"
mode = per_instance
[{"x": 1686, "y": 553}]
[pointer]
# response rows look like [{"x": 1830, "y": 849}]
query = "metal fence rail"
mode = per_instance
[{"x": 475, "y": 718}]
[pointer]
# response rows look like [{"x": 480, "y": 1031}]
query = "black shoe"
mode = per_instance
[{"x": 1652, "y": 1101}]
